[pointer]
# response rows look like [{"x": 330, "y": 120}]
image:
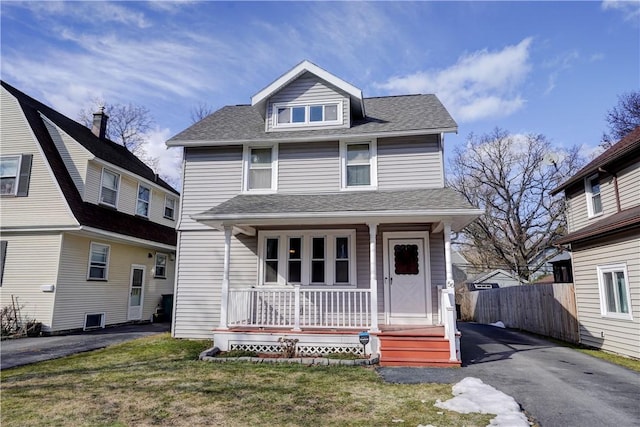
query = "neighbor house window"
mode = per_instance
[
  {"x": 615, "y": 299},
  {"x": 98, "y": 261},
  {"x": 329, "y": 113},
  {"x": 161, "y": 266},
  {"x": 109, "y": 189},
  {"x": 358, "y": 164},
  {"x": 144, "y": 198},
  {"x": 15, "y": 172},
  {"x": 311, "y": 257},
  {"x": 261, "y": 168},
  {"x": 594, "y": 200},
  {"x": 169, "y": 207}
]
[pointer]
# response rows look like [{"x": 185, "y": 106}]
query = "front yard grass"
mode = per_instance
[{"x": 158, "y": 381}]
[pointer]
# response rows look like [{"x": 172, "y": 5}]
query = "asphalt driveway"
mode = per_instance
[
  {"x": 556, "y": 385},
  {"x": 24, "y": 351}
]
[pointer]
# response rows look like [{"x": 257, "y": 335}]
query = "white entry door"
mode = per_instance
[
  {"x": 407, "y": 279},
  {"x": 136, "y": 292}
]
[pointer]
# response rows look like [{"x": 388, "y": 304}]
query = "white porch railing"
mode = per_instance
[
  {"x": 448, "y": 313},
  {"x": 296, "y": 308}
]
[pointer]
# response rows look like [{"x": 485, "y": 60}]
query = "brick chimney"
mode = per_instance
[{"x": 99, "y": 127}]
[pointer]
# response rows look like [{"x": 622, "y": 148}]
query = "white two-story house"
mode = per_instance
[
  {"x": 603, "y": 215},
  {"x": 87, "y": 230},
  {"x": 315, "y": 213}
]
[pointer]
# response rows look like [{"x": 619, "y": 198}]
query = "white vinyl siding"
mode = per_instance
[
  {"x": 40, "y": 252},
  {"x": 211, "y": 176},
  {"x": 77, "y": 296},
  {"x": 608, "y": 333},
  {"x": 308, "y": 89},
  {"x": 44, "y": 200},
  {"x": 309, "y": 167},
  {"x": 409, "y": 162},
  {"x": 197, "y": 298}
]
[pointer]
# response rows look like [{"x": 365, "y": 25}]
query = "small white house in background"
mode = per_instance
[
  {"x": 603, "y": 201},
  {"x": 88, "y": 231},
  {"x": 316, "y": 213}
]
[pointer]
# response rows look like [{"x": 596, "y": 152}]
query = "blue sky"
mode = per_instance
[{"x": 544, "y": 67}]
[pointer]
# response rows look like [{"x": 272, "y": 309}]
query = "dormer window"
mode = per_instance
[{"x": 320, "y": 114}]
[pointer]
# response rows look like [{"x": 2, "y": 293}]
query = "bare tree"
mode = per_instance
[
  {"x": 200, "y": 111},
  {"x": 128, "y": 124},
  {"x": 511, "y": 177},
  {"x": 623, "y": 118}
]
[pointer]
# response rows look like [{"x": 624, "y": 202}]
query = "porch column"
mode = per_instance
[
  {"x": 224, "y": 292},
  {"x": 373, "y": 276},
  {"x": 447, "y": 254}
]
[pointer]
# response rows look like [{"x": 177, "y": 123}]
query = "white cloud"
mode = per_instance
[
  {"x": 480, "y": 85},
  {"x": 630, "y": 9},
  {"x": 102, "y": 11},
  {"x": 557, "y": 65}
]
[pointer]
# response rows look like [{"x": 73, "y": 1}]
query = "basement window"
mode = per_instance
[{"x": 93, "y": 321}]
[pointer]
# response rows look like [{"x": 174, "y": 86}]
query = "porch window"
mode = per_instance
[
  {"x": 260, "y": 169},
  {"x": 358, "y": 160},
  {"x": 318, "y": 260},
  {"x": 295, "y": 259},
  {"x": 614, "y": 291},
  {"x": 271, "y": 260},
  {"x": 307, "y": 257}
]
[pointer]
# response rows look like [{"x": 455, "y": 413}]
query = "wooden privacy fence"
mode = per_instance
[{"x": 548, "y": 310}]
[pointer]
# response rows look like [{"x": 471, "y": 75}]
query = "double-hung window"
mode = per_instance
[
  {"x": 161, "y": 266},
  {"x": 594, "y": 200},
  {"x": 358, "y": 165},
  {"x": 98, "y": 262},
  {"x": 144, "y": 198},
  {"x": 169, "y": 207},
  {"x": 15, "y": 172},
  {"x": 321, "y": 257},
  {"x": 109, "y": 188},
  {"x": 261, "y": 168},
  {"x": 615, "y": 299}
]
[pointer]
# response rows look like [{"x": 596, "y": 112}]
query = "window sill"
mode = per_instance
[
  {"x": 598, "y": 215},
  {"x": 95, "y": 279},
  {"x": 142, "y": 217},
  {"x": 360, "y": 188},
  {"x": 615, "y": 316},
  {"x": 105, "y": 205},
  {"x": 159, "y": 277},
  {"x": 169, "y": 218}
]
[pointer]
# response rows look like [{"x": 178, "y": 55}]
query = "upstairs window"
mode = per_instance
[
  {"x": 109, "y": 188},
  {"x": 594, "y": 200},
  {"x": 15, "y": 173},
  {"x": 261, "y": 169},
  {"x": 358, "y": 165},
  {"x": 169, "y": 207},
  {"x": 308, "y": 114},
  {"x": 144, "y": 198}
]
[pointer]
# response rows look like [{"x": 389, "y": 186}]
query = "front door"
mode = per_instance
[
  {"x": 136, "y": 292},
  {"x": 406, "y": 279}
]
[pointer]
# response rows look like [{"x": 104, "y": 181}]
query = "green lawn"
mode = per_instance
[{"x": 158, "y": 381}]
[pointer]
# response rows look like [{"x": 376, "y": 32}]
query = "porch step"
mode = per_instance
[{"x": 415, "y": 348}]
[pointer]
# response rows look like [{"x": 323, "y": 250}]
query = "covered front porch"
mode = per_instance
[{"x": 325, "y": 276}]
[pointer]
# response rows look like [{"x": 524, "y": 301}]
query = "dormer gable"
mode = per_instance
[{"x": 308, "y": 97}]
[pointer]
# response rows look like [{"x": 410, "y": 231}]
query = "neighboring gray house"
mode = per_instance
[
  {"x": 502, "y": 278},
  {"x": 315, "y": 213},
  {"x": 603, "y": 201}
]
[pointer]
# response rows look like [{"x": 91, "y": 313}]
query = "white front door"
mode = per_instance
[
  {"x": 136, "y": 292},
  {"x": 407, "y": 280}
]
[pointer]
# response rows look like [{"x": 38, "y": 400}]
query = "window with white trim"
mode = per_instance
[
  {"x": 160, "y": 270},
  {"x": 615, "y": 299},
  {"x": 314, "y": 114},
  {"x": 144, "y": 199},
  {"x": 358, "y": 161},
  {"x": 320, "y": 257},
  {"x": 98, "y": 262},
  {"x": 261, "y": 168},
  {"x": 15, "y": 172},
  {"x": 594, "y": 199},
  {"x": 109, "y": 188},
  {"x": 169, "y": 207}
]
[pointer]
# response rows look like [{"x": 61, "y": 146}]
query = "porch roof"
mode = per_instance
[{"x": 418, "y": 205}]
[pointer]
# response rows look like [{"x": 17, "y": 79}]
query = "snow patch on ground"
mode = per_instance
[
  {"x": 472, "y": 395},
  {"x": 498, "y": 324}
]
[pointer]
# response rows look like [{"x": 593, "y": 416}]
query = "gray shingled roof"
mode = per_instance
[
  {"x": 422, "y": 200},
  {"x": 384, "y": 114}
]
